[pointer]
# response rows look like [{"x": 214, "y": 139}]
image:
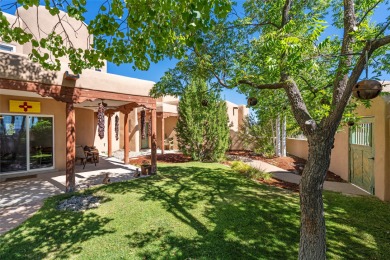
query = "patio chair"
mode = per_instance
[
  {"x": 84, "y": 156},
  {"x": 168, "y": 143}
]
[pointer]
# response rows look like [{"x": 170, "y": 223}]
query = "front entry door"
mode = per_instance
[{"x": 361, "y": 154}]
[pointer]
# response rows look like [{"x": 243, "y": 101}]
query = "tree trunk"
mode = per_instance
[{"x": 312, "y": 236}]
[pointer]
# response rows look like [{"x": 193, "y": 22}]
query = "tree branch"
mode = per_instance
[
  {"x": 370, "y": 47},
  {"x": 254, "y": 25},
  {"x": 263, "y": 86},
  {"x": 341, "y": 78},
  {"x": 301, "y": 114},
  {"x": 285, "y": 12},
  {"x": 366, "y": 13}
]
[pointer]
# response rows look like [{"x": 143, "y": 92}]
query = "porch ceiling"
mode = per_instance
[{"x": 93, "y": 105}]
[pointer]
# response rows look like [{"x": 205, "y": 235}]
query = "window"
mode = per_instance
[
  {"x": 7, "y": 47},
  {"x": 26, "y": 143},
  {"x": 361, "y": 134}
]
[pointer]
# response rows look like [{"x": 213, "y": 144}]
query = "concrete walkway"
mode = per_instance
[
  {"x": 22, "y": 198},
  {"x": 283, "y": 175}
]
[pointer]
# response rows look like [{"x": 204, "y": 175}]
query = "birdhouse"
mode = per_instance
[
  {"x": 205, "y": 102},
  {"x": 367, "y": 89},
  {"x": 252, "y": 101}
]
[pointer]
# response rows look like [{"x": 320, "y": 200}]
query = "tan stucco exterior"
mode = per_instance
[
  {"x": 49, "y": 107},
  {"x": 380, "y": 112}
]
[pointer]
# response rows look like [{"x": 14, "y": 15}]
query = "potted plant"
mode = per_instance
[{"x": 146, "y": 167}]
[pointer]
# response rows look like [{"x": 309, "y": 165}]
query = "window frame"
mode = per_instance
[
  {"x": 28, "y": 170},
  {"x": 8, "y": 45}
]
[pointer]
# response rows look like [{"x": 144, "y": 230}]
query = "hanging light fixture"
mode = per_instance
[
  {"x": 252, "y": 101},
  {"x": 367, "y": 88}
]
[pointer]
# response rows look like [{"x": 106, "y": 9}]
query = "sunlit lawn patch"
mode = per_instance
[{"x": 197, "y": 211}]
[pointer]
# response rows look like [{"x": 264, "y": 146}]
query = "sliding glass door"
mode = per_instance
[{"x": 26, "y": 143}]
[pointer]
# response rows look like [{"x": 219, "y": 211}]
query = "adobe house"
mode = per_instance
[
  {"x": 44, "y": 114},
  {"x": 361, "y": 153}
]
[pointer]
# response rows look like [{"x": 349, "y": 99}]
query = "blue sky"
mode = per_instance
[{"x": 156, "y": 71}]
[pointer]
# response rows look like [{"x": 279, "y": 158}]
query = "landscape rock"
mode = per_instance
[{"x": 79, "y": 203}]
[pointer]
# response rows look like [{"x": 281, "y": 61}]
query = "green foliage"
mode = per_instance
[
  {"x": 258, "y": 135},
  {"x": 137, "y": 32},
  {"x": 259, "y": 49},
  {"x": 202, "y": 131},
  {"x": 250, "y": 171}
]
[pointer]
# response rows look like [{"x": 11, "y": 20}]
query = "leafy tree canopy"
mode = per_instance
[{"x": 130, "y": 31}]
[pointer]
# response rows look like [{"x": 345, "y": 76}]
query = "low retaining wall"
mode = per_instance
[{"x": 339, "y": 156}]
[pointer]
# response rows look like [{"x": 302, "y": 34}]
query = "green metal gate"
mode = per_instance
[{"x": 361, "y": 154}]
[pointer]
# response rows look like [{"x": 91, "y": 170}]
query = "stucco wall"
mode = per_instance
[
  {"x": 340, "y": 155},
  {"x": 48, "y": 107},
  {"x": 379, "y": 109},
  {"x": 84, "y": 126}
]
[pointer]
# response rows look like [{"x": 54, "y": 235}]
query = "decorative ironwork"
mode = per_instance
[
  {"x": 117, "y": 127},
  {"x": 143, "y": 114},
  {"x": 100, "y": 116}
]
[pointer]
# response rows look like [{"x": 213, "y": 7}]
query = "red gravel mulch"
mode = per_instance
[
  {"x": 289, "y": 163},
  {"x": 281, "y": 184},
  {"x": 162, "y": 158}
]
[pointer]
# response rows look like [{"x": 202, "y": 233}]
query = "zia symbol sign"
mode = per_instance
[{"x": 24, "y": 106}]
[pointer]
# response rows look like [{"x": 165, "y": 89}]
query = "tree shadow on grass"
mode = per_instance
[
  {"x": 357, "y": 227},
  {"x": 240, "y": 219},
  {"x": 52, "y": 233}
]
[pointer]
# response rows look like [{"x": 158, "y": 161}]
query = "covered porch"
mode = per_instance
[{"x": 70, "y": 101}]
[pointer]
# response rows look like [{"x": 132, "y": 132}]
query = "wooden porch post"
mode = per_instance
[
  {"x": 70, "y": 147},
  {"x": 154, "y": 142},
  {"x": 126, "y": 137},
  {"x": 109, "y": 134},
  {"x": 162, "y": 134}
]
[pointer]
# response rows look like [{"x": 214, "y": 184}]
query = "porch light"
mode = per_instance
[{"x": 367, "y": 89}]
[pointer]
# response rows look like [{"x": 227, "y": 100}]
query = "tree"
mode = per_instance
[
  {"x": 131, "y": 31},
  {"x": 281, "y": 45},
  {"x": 202, "y": 128}
]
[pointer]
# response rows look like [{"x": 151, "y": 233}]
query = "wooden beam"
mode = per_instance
[
  {"x": 166, "y": 114},
  {"x": 154, "y": 142},
  {"x": 126, "y": 137},
  {"x": 74, "y": 94},
  {"x": 162, "y": 134},
  {"x": 70, "y": 147},
  {"x": 109, "y": 134}
]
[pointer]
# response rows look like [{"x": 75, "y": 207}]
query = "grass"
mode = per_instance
[
  {"x": 249, "y": 171},
  {"x": 197, "y": 211}
]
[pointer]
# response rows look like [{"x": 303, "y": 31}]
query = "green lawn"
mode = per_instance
[{"x": 197, "y": 211}]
